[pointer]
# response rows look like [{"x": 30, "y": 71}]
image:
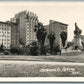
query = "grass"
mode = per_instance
[
  {"x": 66, "y": 57},
  {"x": 17, "y": 70}
]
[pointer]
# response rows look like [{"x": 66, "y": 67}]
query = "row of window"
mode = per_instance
[
  {"x": 6, "y": 44},
  {"x": 4, "y": 31},
  {"x": 8, "y": 36},
  {"x": 2, "y": 28},
  {"x": 5, "y": 25},
  {"x": 4, "y": 39}
]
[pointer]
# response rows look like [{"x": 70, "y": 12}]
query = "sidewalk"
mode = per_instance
[{"x": 39, "y": 62}]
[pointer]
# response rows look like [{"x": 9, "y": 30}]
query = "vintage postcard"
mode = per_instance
[{"x": 42, "y": 41}]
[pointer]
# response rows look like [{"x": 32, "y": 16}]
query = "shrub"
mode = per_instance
[
  {"x": 21, "y": 51},
  {"x": 6, "y": 52},
  {"x": 33, "y": 48},
  {"x": 69, "y": 44},
  {"x": 47, "y": 48},
  {"x": 14, "y": 49},
  {"x": 56, "y": 49},
  {"x": 17, "y": 50}
]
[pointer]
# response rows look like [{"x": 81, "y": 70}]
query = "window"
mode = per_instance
[
  {"x": 8, "y": 39},
  {"x": 8, "y": 32},
  {"x": 8, "y": 44},
  {"x": 5, "y": 35},
  {"x": 8, "y": 36},
  {"x": 5, "y": 28}
]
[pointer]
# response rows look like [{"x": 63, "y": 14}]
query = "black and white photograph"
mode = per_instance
[{"x": 41, "y": 39}]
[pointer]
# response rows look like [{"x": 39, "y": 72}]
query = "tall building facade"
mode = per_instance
[
  {"x": 57, "y": 28},
  {"x": 5, "y": 34},
  {"x": 26, "y": 22},
  {"x": 14, "y": 34}
]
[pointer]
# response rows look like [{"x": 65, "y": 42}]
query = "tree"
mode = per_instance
[
  {"x": 34, "y": 49},
  {"x": 21, "y": 42},
  {"x": 69, "y": 44},
  {"x": 56, "y": 49},
  {"x": 1, "y": 47},
  {"x": 63, "y": 36},
  {"x": 40, "y": 34},
  {"x": 51, "y": 37},
  {"x": 16, "y": 49}
]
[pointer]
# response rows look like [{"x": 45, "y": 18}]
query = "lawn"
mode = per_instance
[
  {"x": 65, "y": 57},
  {"x": 22, "y": 66},
  {"x": 40, "y": 70}
]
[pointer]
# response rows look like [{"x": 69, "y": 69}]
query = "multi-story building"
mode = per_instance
[
  {"x": 14, "y": 34},
  {"x": 57, "y": 28},
  {"x": 5, "y": 34},
  {"x": 26, "y": 22}
]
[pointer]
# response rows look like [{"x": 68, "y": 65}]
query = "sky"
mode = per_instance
[{"x": 65, "y": 12}]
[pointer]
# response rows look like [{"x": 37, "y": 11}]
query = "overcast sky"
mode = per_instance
[{"x": 68, "y": 13}]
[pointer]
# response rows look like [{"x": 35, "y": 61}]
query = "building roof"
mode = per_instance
[
  {"x": 58, "y": 22},
  {"x": 8, "y": 23},
  {"x": 4, "y": 22}
]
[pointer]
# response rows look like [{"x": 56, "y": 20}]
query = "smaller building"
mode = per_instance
[
  {"x": 57, "y": 28},
  {"x": 5, "y": 34}
]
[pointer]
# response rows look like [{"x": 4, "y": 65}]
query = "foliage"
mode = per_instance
[
  {"x": 21, "y": 42},
  {"x": 6, "y": 52},
  {"x": 56, "y": 49},
  {"x": 43, "y": 50},
  {"x": 41, "y": 35},
  {"x": 33, "y": 48},
  {"x": 51, "y": 37},
  {"x": 17, "y": 50},
  {"x": 47, "y": 48},
  {"x": 2, "y": 47},
  {"x": 63, "y": 36},
  {"x": 69, "y": 44},
  {"x": 76, "y": 47},
  {"x": 14, "y": 49}
]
